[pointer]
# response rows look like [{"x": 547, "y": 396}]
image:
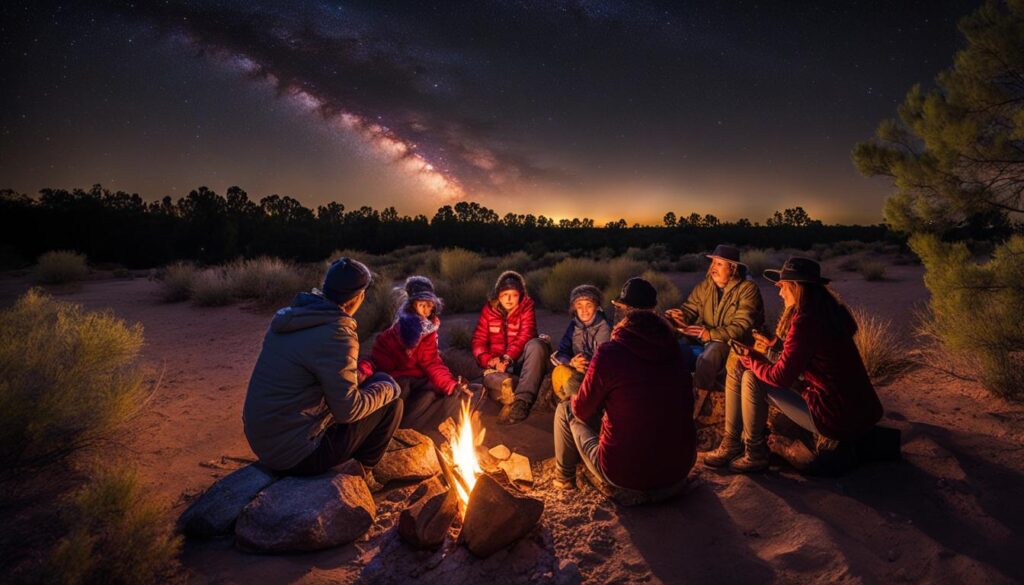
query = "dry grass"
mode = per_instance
[
  {"x": 458, "y": 265},
  {"x": 883, "y": 353},
  {"x": 519, "y": 261},
  {"x": 459, "y": 335},
  {"x": 465, "y": 296},
  {"x": 69, "y": 378},
  {"x": 212, "y": 288},
  {"x": 668, "y": 293},
  {"x": 691, "y": 263},
  {"x": 270, "y": 282},
  {"x": 177, "y": 281},
  {"x": 61, "y": 267},
  {"x": 758, "y": 260},
  {"x": 378, "y": 310},
  {"x": 872, "y": 270},
  {"x": 568, "y": 274}
]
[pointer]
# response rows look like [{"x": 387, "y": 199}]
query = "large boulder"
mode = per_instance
[
  {"x": 497, "y": 517},
  {"x": 307, "y": 513},
  {"x": 215, "y": 512},
  {"x": 424, "y": 523},
  {"x": 409, "y": 457}
]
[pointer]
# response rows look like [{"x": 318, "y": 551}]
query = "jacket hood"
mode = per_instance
[
  {"x": 306, "y": 311},
  {"x": 412, "y": 328},
  {"x": 508, "y": 274},
  {"x": 648, "y": 336}
]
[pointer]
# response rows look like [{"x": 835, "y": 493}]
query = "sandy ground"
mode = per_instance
[{"x": 950, "y": 512}]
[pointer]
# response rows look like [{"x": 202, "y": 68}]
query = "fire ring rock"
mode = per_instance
[
  {"x": 214, "y": 513},
  {"x": 306, "y": 513},
  {"x": 497, "y": 517},
  {"x": 424, "y": 524},
  {"x": 410, "y": 457}
]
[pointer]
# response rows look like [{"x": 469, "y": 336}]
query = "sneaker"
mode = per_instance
[
  {"x": 729, "y": 449},
  {"x": 755, "y": 459},
  {"x": 517, "y": 413}
]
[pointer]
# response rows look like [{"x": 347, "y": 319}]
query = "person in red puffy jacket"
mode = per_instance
[
  {"x": 505, "y": 343},
  {"x": 408, "y": 352}
]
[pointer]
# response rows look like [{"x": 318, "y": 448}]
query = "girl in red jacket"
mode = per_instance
[
  {"x": 819, "y": 380},
  {"x": 505, "y": 344},
  {"x": 408, "y": 352}
]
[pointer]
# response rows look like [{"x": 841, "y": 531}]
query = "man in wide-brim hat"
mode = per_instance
[{"x": 722, "y": 307}]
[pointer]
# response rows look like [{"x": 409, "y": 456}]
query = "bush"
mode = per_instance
[
  {"x": 691, "y": 263},
  {"x": 883, "y": 354},
  {"x": 378, "y": 310},
  {"x": 211, "y": 288},
  {"x": 758, "y": 261},
  {"x": 69, "y": 377},
  {"x": 519, "y": 261},
  {"x": 116, "y": 535},
  {"x": 460, "y": 335},
  {"x": 458, "y": 265},
  {"x": 850, "y": 264},
  {"x": 466, "y": 296},
  {"x": 271, "y": 282},
  {"x": 60, "y": 267},
  {"x": 976, "y": 308},
  {"x": 668, "y": 293},
  {"x": 122, "y": 273},
  {"x": 535, "y": 280},
  {"x": 177, "y": 282},
  {"x": 872, "y": 270},
  {"x": 619, "y": 271},
  {"x": 568, "y": 274}
]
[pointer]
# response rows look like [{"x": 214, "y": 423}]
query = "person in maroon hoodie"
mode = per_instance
[
  {"x": 819, "y": 380},
  {"x": 639, "y": 391},
  {"x": 505, "y": 344},
  {"x": 408, "y": 352}
]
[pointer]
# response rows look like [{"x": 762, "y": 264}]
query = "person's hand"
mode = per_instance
[
  {"x": 761, "y": 338},
  {"x": 462, "y": 388},
  {"x": 579, "y": 363},
  {"x": 697, "y": 331},
  {"x": 493, "y": 363},
  {"x": 502, "y": 365},
  {"x": 676, "y": 316}
]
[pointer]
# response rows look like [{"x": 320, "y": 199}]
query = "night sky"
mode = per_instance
[{"x": 597, "y": 109}]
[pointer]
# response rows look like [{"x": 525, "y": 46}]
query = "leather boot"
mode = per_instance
[{"x": 730, "y": 448}]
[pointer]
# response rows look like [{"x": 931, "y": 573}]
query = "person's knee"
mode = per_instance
[
  {"x": 396, "y": 408},
  {"x": 536, "y": 346}
]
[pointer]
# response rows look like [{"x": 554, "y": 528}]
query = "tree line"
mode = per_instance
[{"x": 204, "y": 226}]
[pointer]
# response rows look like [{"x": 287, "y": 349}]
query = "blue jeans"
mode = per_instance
[
  {"x": 746, "y": 406},
  {"x": 575, "y": 440}
]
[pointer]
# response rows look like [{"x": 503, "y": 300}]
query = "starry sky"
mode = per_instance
[{"x": 598, "y": 109}]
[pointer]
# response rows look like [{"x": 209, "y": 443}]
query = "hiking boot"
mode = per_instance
[
  {"x": 729, "y": 449},
  {"x": 564, "y": 483},
  {"x": 755, "y": 459},
  {"x": 517, "y": 413}
]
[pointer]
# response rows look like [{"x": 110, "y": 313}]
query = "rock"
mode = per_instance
[
  {"x": 487, "y": 461},
  {"x": 501, "y": 452},
  {"x": 424, "y": 524},
  {"x": 306, "y": 513},
  {"x": 215, "y": 512},
  {"x": 497, "y": 517},
  {"x": 517, "y": 468},
  {"x": 410, "y": 457}
]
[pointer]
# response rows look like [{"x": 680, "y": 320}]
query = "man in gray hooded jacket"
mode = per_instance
[{"x": 305, "y": 410}]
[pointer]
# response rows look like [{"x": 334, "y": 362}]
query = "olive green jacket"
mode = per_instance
[{"x": 739, "y": 310}]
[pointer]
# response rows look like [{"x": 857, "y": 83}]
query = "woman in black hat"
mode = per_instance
[{"x": 819, "y": 380}]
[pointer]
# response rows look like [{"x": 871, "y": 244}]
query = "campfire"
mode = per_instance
[{"x": 481, "y": 493}]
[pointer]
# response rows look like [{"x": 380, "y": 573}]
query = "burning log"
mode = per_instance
[
  {"x": 496, "y": 517},
  {"x": 425, "y": 523}
]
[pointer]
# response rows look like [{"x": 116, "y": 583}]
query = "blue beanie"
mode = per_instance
[{"x": 344, "y": 279}]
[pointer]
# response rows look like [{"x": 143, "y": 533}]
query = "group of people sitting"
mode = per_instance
[{"x": 625, "y": 387}]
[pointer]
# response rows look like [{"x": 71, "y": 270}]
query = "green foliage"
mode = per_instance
[
  {"x": 458, "y": 265},
  {"x": 176, "y": 284},
  {"x": 212, "y": 288},
  {"x": 60, "y": 267},
  {"x": 668, "y": 293},
  {"x": 117, "y": 534},
  {"x": 568, "y": 274},
  {"x": 67, "y": 377},
  {"x": 955, "y": 151},
  {"x": 882, "y": 352},
  {"x": 976, "y": 308},
  {"x": 872, "y": 270}
]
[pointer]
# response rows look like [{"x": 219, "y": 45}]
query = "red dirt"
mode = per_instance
[{"x": 950, "y": 512}]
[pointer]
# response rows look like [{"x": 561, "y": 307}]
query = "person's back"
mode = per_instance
[{"x": 639, "y": 378}]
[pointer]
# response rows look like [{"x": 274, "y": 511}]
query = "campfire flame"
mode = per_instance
[{"x": 463, "y": 445}]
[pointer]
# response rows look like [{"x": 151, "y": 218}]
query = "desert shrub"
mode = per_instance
[
  {"x": 519, "y": 261},
  {"x": 843, "y": 248},
  {"x": 68, "y": 378},
  {"x": 61, "y": 266},
  {"x": 976, "y": 308},
  {"x": 116, "y": 534},
  {"x": 568, "y": 274},
  {"x": 271, "y": 282},
  {"x": 758, "y": 260},
  {"x": 883, "y": 353},
  {"x": 212, "y": 288},
  {"x": 458, "y": 264},
  {"x": 550, "y": 259},
  {"x": 535, "y": 280},
  {"x": 619, "y": 271},
  {"x": 872, "y": 270},
  {"x": 466, "y": 295},
  {"x": 378, "y": 310},
  {"x": 648, "y": 255},
  {"x": 691, "y": 263},
  {"x": 459, "y": 335},
  {"x": 176, "y": 284},
  {"x": 668, "y": 293},
  {"x": 850, "y": 264},
  {"x": 122, "y": 273}
]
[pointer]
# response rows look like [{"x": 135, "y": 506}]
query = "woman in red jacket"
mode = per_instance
[
  {"x": 818, "y": 381},
  {"x": 505, "y": 342},
  {"x": 408, "y": 352}
]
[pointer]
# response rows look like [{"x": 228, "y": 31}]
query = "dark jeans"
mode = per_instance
[
  {"x": 426, "y": 408},
  {"x": 364, "y": 440},
  {"x": 576, "y": 441},
  {"x": 531, "y": 369},
  {"x": 707, "y": 364}
]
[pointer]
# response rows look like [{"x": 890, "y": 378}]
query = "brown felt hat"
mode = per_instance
[{"x": 798, "y": 269}]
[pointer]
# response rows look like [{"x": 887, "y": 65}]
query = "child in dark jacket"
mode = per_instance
[
  {"x": 408, "y": 352},
  {"x": 588, "y": 329}
]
